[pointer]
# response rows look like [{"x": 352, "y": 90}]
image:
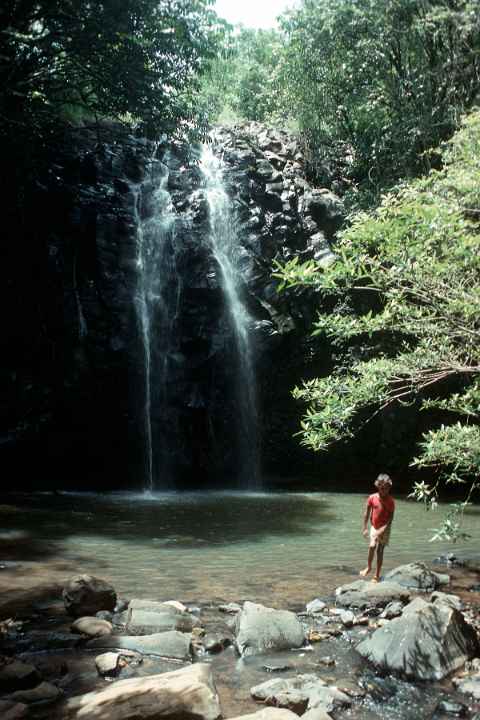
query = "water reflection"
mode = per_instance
[{"x": 277, "y": 548}]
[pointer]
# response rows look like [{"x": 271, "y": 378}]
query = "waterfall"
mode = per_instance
[
  {"x": 224, "y": 242},
  {"x": 156, "y": 305}
]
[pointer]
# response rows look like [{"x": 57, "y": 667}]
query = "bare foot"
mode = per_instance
[
  {"x": 375, "y": 579},
  {"x": 364, "y": 572}
]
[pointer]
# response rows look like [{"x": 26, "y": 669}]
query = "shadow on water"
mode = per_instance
[{"x": 34, "y": 525}]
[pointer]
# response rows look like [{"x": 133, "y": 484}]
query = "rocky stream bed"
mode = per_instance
[{"x": 407, "y": 647}]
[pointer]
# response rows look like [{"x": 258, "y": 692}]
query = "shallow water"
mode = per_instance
[
  {"x": 283, "y": 549},
  {"x": 279, "y": 549}
]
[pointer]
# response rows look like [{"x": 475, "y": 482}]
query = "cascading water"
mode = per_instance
[
  {"x": 224, "y": 242},
  {"x": 157, "y": 310}
]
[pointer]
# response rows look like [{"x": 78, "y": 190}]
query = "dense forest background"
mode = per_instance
[{"x": 372, "y": 90}]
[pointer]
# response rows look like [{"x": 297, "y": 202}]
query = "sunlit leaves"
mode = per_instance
[{"x": 418, "y": 259}]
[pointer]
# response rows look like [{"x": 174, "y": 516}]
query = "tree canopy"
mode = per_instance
[
  {"x": 135, "y": 60},
  {"x": 414, "y": 335}
]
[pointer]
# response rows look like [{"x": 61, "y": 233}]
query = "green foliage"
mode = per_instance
[
  {"x": 416, "y": 258},
  {"x": 137, "y": 61},
  {"x": 243, "y": 83},
  {"x": 380, "y": 82}
]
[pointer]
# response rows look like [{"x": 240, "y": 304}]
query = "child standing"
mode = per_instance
[{"x": 379, "y": 510}]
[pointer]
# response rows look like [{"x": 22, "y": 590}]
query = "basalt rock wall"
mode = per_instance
[{"x": 73, "y": 369}]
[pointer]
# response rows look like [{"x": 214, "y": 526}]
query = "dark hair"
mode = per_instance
[{"x": 383, "y": 479}]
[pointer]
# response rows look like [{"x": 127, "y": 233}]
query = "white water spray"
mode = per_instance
[{"x": 224, "y": 240}]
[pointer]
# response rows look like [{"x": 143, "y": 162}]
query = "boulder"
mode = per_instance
[
  {"x": 216, "y": 642},
  {"x": 469, "y": 685},
  {"x": 303, "y": 692},
  {"x": 146, "y": 617},
  {"x": 392, "y": 610},
  {"x": 188, "y": 693},
  {"x": 86, "y": 595},
  {"x": 427, "y": 642},
  {"x": 451, "y": 600},
  {"x": 260, "y": 629},
  {"x": 92, "y": 626},
  {"x": 43, "y": 693},
  {"x": 170, "y": 644},
  {"x": 15, "y": 711},
  {"x": 18, "y": 676},
  {"x": 107, "y": 664},
  {"x": 417, "y": 576},
  {"x": 326, "y": 209},
  {"x": 364, "y": 594},
  {"x": 315, "y": 606}
]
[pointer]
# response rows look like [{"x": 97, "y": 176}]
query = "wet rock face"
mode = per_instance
[{"x": 78, "y": 383}]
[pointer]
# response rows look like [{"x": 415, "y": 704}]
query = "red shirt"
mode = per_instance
[{"x": 382, "y": 509}]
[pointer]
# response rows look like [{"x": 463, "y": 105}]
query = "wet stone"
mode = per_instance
[
  {"x": 315, "y": 606},
  {"x": 276, "y": 668},
  {"x": 92, "y": 626},
  {"x": 216, "y": 642},
  {"x": 108, "y": 664},
  {"x": 18, "y": 676},
  {"x": 43, "y": 693},
  {"x": 12, "y": 711},
  {"x": 452, "y": 708}
]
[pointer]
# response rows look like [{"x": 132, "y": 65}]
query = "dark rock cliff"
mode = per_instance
[{"x": 73, "y": 370}]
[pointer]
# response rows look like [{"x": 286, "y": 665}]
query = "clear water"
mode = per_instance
[{"x": 280, "y": 549}]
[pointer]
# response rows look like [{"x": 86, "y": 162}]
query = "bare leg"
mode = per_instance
[
  {"x": 380, "y": 549},
  {"x": 371, "y": 552}
]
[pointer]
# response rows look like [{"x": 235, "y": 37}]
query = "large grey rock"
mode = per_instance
[
  {"x": 146, "y": 617},
  {"x": 364, "y": 594},
  {"x": 427, "y": 642},
  {"x": 303, "y": 692},
  {"x": 188, "y": 693},
  {"x": 260, "y": 629},
  {"x": 86, "y": 595},
  {"x": 170, "y": 644},
  {"x": 417, "y": 576}
]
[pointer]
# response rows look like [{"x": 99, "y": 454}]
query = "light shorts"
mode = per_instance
[{"x": 376, "y": 540}]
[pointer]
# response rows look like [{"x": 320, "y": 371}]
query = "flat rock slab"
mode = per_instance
[
  {"x": 428, "y": 642},
  {"x": 147, "y": 616},
  {"x": 303, "y": 692},
  {"x": 260, "y": 629},
  {"x": 188, "y": 693},
  {"x": 364, "y": 594},
  {"x": 269, "y": 713},
  {"x": 417, "y": 576},
  {"x": 170, "y": 644}
]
